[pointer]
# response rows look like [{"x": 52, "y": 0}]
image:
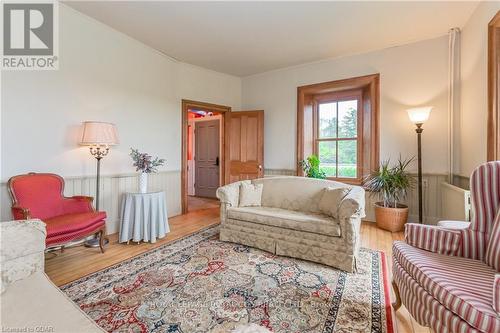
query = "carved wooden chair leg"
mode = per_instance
[
  {"x": 101, "y": 240},
  {"x": 397, "y": 304}
]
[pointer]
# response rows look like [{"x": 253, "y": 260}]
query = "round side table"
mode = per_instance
[{"x": 143, "y": 217}]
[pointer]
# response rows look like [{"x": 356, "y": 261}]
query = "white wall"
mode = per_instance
[
  {"x": 103, "y": 75},
  {"x": 474, "y": 95},
  {"x": 410, "y": 75}
]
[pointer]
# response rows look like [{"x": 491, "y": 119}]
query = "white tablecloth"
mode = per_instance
[{"x": 144, "y": 217}]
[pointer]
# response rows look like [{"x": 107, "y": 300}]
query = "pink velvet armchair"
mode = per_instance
[
  {"x": 40, "y": 195},
  {"x": 449, "y": 280}
]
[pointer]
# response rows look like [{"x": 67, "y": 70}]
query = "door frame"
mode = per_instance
[
  {"x": 493, "y": 127},
  {"x": 186, "y": 105}
]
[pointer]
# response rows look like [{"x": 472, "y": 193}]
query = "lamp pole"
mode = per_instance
[
  {"x": 419, "y": 131},
  {"x": 419, "y": 116},
  {"x": 98, "y": 151}
]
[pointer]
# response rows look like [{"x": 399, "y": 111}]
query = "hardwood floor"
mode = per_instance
[
  {"x": 197, "y": 203},
  {"x": 78, "y": 261}
]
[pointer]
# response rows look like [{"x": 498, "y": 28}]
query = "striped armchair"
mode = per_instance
[{"x": 449, "y": 280}]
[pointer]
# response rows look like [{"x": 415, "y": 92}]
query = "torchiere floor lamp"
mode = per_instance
[
  {"x": 419, "y": 116},
  {"x": 99, "y": 136}
]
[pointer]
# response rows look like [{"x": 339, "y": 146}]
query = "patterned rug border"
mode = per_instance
[
  {"x": 137, "y": 256},
  {"x": 387, "y": 291}
]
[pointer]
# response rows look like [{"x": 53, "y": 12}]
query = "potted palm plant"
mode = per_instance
[{"x": 391, "y": 184}]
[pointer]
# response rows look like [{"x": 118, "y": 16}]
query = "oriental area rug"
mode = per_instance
[{"x": 199, "y": 284}]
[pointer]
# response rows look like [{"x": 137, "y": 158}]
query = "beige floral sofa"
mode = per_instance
[
  {"x": 289, "y": 221},
  {"x": 30, "y": 302}
]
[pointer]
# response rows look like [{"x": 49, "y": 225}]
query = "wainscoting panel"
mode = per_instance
[
  {"x": 431, "y": 197},
  {"x": 112, "y": 189}
]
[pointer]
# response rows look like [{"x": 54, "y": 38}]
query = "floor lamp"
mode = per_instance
[
  {"x": 419, "y": 116},
  {"x": 99, "y": 136}
]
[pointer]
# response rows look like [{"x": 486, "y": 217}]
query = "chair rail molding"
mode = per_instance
[
  {"x": 112, "y": 188},
  {"x": 432, "y": 192}
]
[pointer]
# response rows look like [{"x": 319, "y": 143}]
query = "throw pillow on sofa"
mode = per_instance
[
  {"x": 331, "y": 199},
  {"x": 250, "y": 195}
]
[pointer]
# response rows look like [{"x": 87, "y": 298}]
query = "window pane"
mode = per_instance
[
  {"x": 348, "y": 119},
  {"x": 328, "y": 120},
  {"x": 327, "y": 157},
  {"x": 348, "y": 158}
]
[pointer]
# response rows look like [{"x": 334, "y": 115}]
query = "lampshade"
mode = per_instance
[
  {"x": 419, "y": 115},
  {"x": 99, "y": 133}
]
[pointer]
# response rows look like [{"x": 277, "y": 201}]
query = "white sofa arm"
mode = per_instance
[
  {"x": 230, "y": 194},
  {"x": 353, "y": 205},
  {"x": 351, "y": 210},
  {"x": 22, "y": 250}
]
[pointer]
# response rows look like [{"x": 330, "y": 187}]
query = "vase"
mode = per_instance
[{"x": 143, "y": 182}]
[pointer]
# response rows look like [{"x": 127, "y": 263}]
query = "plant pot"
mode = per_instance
[
  {"x": 143, "y": 182},
  {"x": 391, "y": 219}
]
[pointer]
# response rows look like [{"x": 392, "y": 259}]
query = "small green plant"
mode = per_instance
[
  {"x": 311, "y": 167},
  {"x": 391, "y": 183}
]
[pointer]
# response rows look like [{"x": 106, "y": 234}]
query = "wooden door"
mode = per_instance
[
  {"x": 244, "y": 143},
  {"x": 207, "y": 158}
]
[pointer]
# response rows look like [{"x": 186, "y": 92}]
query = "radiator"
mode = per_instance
[{"x": 455, "y": 203}]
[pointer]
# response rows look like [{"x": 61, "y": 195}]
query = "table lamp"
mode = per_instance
[
  {"x": 419, "y": 116},
  {"x": 98, "y": 136}
]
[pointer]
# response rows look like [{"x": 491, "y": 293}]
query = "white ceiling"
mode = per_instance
[{"x": 244, "y": 38}]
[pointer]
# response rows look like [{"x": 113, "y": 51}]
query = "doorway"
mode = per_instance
[
  {"x": 202, "y": 154},
  {"x": 240, "y": 148}
]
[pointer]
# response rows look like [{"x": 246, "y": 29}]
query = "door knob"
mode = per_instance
[{"x": 260, "y": 167}]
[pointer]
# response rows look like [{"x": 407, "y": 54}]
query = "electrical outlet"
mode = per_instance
[{"x": 425, "y": 183}]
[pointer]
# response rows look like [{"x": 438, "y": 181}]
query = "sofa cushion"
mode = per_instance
[
  {"x": 331, "y": 199},
  {"x": 37, "y": 303},
  {"x": 70, "y": 223},
  {"x": 63, "y": 238},
  {"x": 282, "y": 218},
  {"x": 465, "y": 286},
  {"x": 250, "y": 195},
  {"x": 294, "y": 193}
]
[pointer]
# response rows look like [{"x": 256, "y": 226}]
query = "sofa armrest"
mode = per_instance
[
  {"x": 434, "y": 239},
  {"x": 77, "y": 204},
  {"x": 20, "y": 213},
  {"x": 230, "y": 194},
  {"x": 22, "y": 249},
  {"x": 353, "y": 204},
  {"x": 81, "y": 198}
]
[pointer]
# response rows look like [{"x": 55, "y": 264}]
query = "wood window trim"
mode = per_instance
[
  {"x": 186, "y": 106},
  {"x": 493, "y": 132},
  {"x": 369, "y": 85}
]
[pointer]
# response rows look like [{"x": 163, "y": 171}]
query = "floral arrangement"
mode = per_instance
[{"x": 144, "y": 162}]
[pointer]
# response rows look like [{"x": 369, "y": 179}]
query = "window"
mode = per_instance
[
  {"x": 336, "y": 136},
  {"x": 338, "y": 122}
]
